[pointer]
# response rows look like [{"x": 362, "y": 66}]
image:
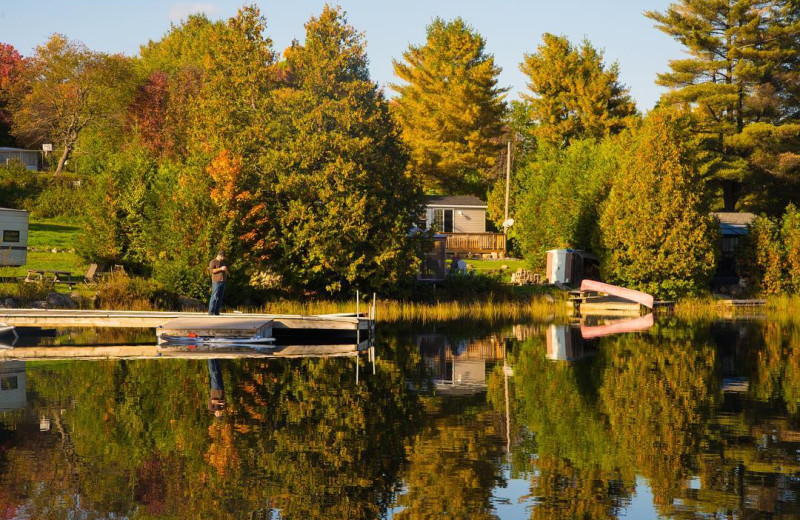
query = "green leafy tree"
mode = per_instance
[
  {"x": 450, "y": 109},
  {"x": 655, "y": 233},
  {"x": 740, "y": 71},
  {"x": 558, "y": 196},
  {"x": 573, "y": 95},
  {"x": 66, "y": 89}
]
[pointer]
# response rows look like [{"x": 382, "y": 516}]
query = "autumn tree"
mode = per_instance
[
  {"x": 450, "y": 108},
  {"x": 10, "y": 67},
  {"x": 740, "y": 81},
  {"x": 65, "y": 89},
  {"x": 655, "y": 233},
  {"x": 573, "y": 94}
]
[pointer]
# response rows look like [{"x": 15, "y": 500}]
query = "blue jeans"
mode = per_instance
[{"x": 217, "y": 290}]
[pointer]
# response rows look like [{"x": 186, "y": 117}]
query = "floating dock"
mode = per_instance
[
  {"x": 284, "y": 326},
  {"x": 49, "y": 353}
]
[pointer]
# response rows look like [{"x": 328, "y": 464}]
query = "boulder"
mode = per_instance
[
  {"x": 60, "y": 301},
  {"x": 9, "y": 303},
  {"x": 38, "y": 305},
  {"x": 191, "y": 304}
]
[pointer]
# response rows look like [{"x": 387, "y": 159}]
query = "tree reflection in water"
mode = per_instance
[{"x": 707, "y": 414}]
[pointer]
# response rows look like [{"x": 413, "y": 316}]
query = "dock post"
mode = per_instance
[
  {"x": 356, "y": 368},
  {"x": 372, "y": 349}
]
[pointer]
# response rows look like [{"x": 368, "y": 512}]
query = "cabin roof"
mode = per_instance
[
  {"x": 734, "y": 223},
  {"x": 12, "y": 209},
  {"x": 454, "y": 201},
  {"x": 734, "y": 218}
]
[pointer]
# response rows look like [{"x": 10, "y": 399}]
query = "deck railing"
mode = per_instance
[{"x": 475, "y": 242}]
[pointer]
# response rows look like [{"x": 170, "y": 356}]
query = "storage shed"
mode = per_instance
[
  {"x": 568, "y": 266},
  {"x": 13, "y": 237}
]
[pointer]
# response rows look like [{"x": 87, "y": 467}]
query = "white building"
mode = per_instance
[{"x": 13, "y": 237}]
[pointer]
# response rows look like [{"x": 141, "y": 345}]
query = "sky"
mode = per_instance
[{"x": 511, "y": 29}]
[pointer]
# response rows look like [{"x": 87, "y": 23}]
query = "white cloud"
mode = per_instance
[{"x": 178, "y": 12}]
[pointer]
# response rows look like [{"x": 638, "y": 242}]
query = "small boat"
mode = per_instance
[
  {"x": 213, "y": 340},
  {"x": 216, "y": 331}
]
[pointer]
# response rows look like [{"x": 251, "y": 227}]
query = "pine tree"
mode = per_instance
[
  {"x": 740, "y": 71},
  {"x": 655, "y": 234},
  {"x": 337, "y": 200},
  {"x": 573, "y": 94},
  {"x": 451, "y": 109}
]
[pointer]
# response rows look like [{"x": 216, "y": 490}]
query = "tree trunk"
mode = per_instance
[
  {"x": 63, "y": 159},
  {"x": 731, "y": 191}
]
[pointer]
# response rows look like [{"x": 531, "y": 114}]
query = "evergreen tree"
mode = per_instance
[
  {"x": 741, "y": 70},
  {"x": 334, "y": 202},
  {"x": 655, "y": 233},
  {"x": 573, "y": 94},
  {"x": 451, "y": 109}
]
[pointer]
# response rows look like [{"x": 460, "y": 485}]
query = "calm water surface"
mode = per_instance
[{"x": 466, "y": 421}]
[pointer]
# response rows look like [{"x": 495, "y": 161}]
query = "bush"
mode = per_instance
[
  {"x": 61, "y": 197},
  {"x": 19, "y": 186},
  {"x": 120, "y": 291}
]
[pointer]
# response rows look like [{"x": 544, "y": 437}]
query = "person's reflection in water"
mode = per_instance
[{"x": 216, "y": 402}]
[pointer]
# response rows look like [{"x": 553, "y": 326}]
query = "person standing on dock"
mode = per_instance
[{"x": 219, "y": 273}]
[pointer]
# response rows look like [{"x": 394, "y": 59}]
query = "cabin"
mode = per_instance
[
  {"x": 13, "y": 237},
  {"x": 462, "y": 220},
  {"x": 733, "y": 227},
  {"x": 31, "y": 159}
]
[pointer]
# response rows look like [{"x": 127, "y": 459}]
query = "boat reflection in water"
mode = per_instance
[{"x": 573, "y": 342}]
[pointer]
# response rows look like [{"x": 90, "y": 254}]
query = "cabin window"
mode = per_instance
[
  {"x": 10, "y": 236},
  {"x": 443, "y": 220},
  {"x": 9, "y": 383}
]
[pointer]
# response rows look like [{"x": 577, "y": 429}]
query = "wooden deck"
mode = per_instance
[{"x": 475, "y": 243}]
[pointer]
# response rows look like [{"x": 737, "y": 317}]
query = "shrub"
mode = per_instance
[{"x": 61, "y": 197}]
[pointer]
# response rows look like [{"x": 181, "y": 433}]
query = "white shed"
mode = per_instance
[{"x": 13, "y": 237}]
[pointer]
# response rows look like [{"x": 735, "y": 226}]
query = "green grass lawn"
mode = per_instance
[{"x": 481, "y": 266}]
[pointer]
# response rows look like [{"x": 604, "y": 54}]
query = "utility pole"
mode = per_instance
[{"x": 508, "y": 183}]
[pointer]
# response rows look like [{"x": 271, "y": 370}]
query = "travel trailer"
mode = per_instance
[{"x": 13, "y": 237}]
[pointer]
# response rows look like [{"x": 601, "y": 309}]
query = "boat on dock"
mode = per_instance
[{"x": 216, "y": 331}]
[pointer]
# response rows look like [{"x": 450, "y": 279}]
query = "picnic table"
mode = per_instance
[{"x": 50, "y": 276}]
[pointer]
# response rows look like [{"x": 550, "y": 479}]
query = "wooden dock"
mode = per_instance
[
  {"x": 47, "y": 353},
  {"x": 284, "y": 325}
]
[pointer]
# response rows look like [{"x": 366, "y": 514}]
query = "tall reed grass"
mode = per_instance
[{"x": 536, "y": 309}]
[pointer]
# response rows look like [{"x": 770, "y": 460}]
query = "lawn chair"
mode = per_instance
[{"x": 92, "y": 274}]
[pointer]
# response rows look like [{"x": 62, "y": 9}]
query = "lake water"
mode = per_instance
[{"x": 466, "y": 421}]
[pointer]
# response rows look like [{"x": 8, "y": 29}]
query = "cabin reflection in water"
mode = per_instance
[
  {"x": 458, "y": 365},
  {"x": 565, "y": 343}
]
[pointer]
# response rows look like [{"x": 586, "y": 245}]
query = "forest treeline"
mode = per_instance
[{"x": 311, "y": 177}]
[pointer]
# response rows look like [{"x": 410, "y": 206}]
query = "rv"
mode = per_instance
[{"x": 13, "y": 237}]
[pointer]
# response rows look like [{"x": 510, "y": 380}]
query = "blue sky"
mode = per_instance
[{"x": 511, "y": 29}]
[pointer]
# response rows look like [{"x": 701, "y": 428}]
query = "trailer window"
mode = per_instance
[{"x": 10, "y": 236}]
